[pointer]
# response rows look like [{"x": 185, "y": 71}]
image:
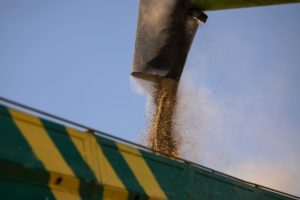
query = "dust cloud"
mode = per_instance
[{"x": 251, "y": 144}]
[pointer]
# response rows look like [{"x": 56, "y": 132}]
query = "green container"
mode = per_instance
[{"x": 40, "y": 159}]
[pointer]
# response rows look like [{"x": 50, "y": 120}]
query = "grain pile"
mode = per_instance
[{"x": 162, "y": 137}]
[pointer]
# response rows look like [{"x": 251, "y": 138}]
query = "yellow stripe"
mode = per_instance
[
  {"x": 113, "y": 186},
  {"x": 141, "y": 171},
  {"x": 84, "y": 147},
  {"x": 110, "y": 179},
  {"x": 45, "y": 150},
  {"x": 61, "y": 193}
]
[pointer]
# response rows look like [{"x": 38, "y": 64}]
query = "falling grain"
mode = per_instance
[{"x": 162, "y": 137}]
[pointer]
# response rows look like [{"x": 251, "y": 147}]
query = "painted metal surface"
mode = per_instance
[
  {"x": 165, "y": 32},
  {"x": 207, "y": 5},
  {"x": 40, "y": 159}
]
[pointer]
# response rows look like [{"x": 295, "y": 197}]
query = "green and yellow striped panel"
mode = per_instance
[
  {"x": 73, "y": 164},
  {"x": 17, "y": 158},
  {"x": 40, "y": 159}
]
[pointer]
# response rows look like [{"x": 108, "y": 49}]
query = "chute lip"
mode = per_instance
[{"x": 146, "y": 76}]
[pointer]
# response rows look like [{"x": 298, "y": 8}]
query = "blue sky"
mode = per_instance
[{"x": 240, "y": 88}]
